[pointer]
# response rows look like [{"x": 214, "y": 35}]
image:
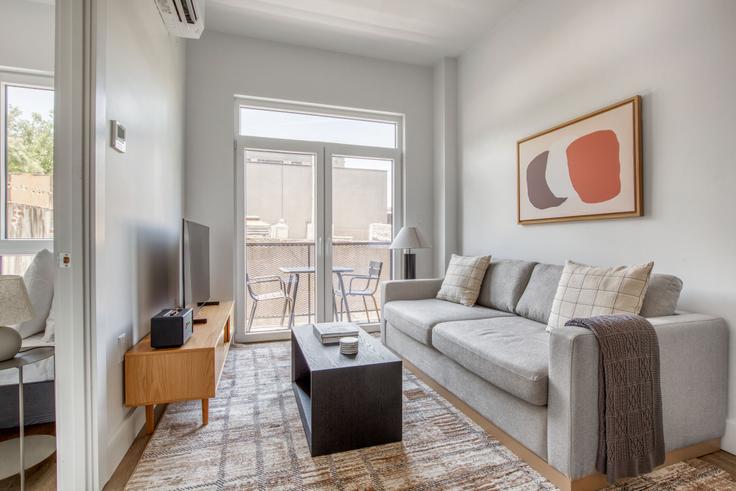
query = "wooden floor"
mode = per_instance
[
  {"x": 41, "y": 477},
  {"x": 722, "y": 459}
]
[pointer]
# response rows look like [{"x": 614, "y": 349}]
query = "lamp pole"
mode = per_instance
[{"x": 410, "y": 265}]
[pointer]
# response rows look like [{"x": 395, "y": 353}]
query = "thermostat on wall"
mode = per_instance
[{"x": 117, "y": 137}]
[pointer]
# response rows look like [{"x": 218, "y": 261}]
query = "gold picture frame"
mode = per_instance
[{"x": 596, "y": 168}]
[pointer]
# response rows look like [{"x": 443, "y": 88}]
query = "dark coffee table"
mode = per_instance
[{"x": 345, "y": 402}]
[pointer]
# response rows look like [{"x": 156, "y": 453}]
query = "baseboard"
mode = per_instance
[
  {"x": 587, "y": 483},
  {"x": 728, "y": 442}
]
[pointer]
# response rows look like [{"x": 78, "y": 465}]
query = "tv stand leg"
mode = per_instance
[
  {"x": 149, "y": 419},
  {"x": 205, "y": 412}
]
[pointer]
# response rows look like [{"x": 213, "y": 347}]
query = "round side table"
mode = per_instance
[{"x": 24, "y": 452}]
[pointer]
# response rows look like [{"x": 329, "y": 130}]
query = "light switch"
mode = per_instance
[
  {"x": 123, "y": 346},
  {"x": 118, "y": 136}
]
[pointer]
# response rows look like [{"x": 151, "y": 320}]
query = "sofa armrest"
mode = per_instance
[
  {"x": 693, "y": 376},
  {"x": 406, "y": 290},
  {"x": 409, "y": 289}
]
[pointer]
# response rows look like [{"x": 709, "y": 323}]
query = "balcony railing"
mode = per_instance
[{"x": 264, "y": 257}]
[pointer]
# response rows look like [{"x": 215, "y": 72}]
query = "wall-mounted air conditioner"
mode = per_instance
[{"x": 183, "y": 18}]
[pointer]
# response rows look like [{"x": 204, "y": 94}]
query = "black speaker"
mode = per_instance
[{"x": 171, "y": 328}]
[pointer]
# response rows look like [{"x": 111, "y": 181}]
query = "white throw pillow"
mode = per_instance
[
  {"x": 39, "y": 279},
  {"x": 587, "y": 291},
  {"x": 463, "y": 279}
]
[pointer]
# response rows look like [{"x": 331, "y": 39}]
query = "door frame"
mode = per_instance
[
  {"x": 323, "y": 194},
  {"x": 79, "y": 44}
]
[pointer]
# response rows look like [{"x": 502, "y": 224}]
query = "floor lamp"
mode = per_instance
[{"x": 407, "y": 239}]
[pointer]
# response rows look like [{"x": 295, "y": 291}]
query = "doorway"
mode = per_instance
[
  {"x": 315, "y": 215},
  {"x": 26, "y": 243}
]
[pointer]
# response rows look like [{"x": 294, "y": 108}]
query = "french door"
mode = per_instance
[{"x": 313, "y": 225}]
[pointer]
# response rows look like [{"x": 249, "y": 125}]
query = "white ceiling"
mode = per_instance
[{"x": 414, "y": 31}]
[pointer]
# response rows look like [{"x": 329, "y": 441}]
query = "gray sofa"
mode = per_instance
[{"x": 539, "y": 387}]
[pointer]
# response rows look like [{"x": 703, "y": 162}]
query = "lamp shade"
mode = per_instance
[
  {"x": 409, "y": 238},
  {"x": 15, "y": 306}
]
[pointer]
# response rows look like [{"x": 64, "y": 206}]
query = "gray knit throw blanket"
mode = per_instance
[{"x": 630, "y": 436}]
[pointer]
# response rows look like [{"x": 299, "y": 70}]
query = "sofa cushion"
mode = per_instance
[
  {"x": 536, "y": 301},
  {"x": 416, "y": 318},
  {"x": 662, "y": 295},
  {"x": 504, "y": 283},
  {"x": 509, "y": 352}
]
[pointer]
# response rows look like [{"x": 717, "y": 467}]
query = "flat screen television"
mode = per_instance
[{"x": 195, "y": 264}]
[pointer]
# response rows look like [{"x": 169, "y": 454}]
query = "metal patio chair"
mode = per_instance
[
  {"x": 281, "y": 294},
  {"x": 366, "y": 286}
]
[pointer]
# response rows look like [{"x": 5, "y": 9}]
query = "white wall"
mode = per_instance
[
  {"x": 142, "y": 209},
  {"x": 27, "y": 35},
  {"x": 446, "y": 227},
  {"x": 551, "y": 61},
  {"x": 220, "y": 66}
]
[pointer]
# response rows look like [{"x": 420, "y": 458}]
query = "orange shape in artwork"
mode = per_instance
[{"x": 594, "y": 166}]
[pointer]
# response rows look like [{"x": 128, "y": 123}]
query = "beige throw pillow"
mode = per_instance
[
  {"x": 587, "y": 291},
  {"x": 463, "y": 279}
]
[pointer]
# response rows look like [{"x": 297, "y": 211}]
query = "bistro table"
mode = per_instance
[{"x": 295, "y": 272}]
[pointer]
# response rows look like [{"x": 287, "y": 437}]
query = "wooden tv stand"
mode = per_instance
[{"x": 189, "y": 372}]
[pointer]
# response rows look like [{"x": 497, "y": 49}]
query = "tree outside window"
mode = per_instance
[{"x": 29, "y": 152}]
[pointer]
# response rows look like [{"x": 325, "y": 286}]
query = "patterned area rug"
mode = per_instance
[{"x": 255, "y": 440}]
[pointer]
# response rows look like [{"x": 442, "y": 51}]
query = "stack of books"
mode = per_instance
[{"x": 331, "y": 332}]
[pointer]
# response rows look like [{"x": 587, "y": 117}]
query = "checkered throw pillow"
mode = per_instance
[
  {"x": 586, "y": 291},
  {"x": 463, "y": 279}
]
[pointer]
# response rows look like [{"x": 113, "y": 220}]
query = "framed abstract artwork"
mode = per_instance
[{"x": 586, "y": 169}]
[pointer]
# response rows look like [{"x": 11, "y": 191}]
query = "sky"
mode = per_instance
[
  {"x": 30, "y": 100},
  {"x": 298, "y": 126}
]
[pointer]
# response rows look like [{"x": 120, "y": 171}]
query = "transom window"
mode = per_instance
[{"x": 289, "y": 125}]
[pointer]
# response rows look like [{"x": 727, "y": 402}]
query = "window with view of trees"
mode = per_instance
[
  {"x": 27, "y": 157},
  {"x": 29, "y": 162}
]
